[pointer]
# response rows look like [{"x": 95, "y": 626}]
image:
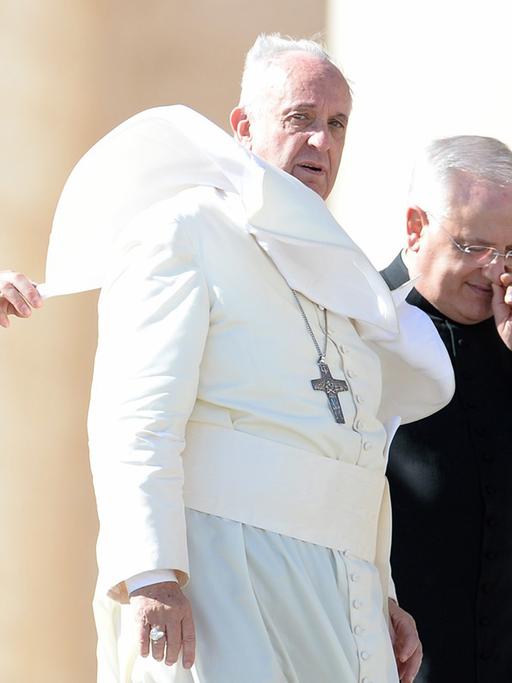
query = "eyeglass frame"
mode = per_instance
[{"x": 464, "y": 248}]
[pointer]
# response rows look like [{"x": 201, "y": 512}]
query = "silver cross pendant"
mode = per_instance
[{"x": 331, "y": 387}]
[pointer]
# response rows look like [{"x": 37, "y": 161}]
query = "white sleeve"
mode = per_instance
[
  {"x": 149, "y": 578},
  {"x": 153, "y": 323}
]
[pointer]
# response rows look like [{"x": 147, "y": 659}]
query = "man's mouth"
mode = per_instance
[
  {"x": 480, "y": 290},
  {"x": 312, "y": 168}
]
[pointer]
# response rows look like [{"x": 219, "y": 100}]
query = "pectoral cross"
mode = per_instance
[{"x": 332, "y": 387}]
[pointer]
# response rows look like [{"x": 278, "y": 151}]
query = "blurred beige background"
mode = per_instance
[{"x": 70, "y": 72}]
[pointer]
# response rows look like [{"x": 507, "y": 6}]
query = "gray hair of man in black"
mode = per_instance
[
  {"x": 473, "y": 158},
  {"x": 264, "y": 55}
]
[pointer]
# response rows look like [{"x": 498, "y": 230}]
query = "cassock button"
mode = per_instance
[
  {"x": 366, "y": 680},
  {"x": 351, "y": 374},
  {"x": 460, "y": 342},
  {"x": 359, "y": 425},
  {"x": 367, "y": 445},
  {"x": 355, "y": 577},
  {"x": 357, "y": 604},
  {"x": 358, "y": 630},
  {"x": 359, "y": 398},
  {"x": 365, "y": 656}
]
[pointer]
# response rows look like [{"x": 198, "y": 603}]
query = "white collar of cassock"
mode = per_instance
[{"x": 161, "y": 151}]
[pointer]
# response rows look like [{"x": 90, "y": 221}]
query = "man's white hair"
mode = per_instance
[
  {"x": 264, "y": 53},
  {"x": 475, "y": 157}
]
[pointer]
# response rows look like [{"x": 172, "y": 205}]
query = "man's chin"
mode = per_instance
[{"x": 471, "y": 314}]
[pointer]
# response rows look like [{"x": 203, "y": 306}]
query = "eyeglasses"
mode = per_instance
[{"x": 480, "y": 254}]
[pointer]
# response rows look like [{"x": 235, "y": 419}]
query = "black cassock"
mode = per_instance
[{"x": 451, "y": 489}]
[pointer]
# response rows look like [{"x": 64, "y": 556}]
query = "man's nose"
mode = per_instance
[
  {"x": 495, "y": 268},
  {"x": 319, "y": 138}
]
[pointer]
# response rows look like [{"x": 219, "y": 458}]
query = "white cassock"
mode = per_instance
[{"x": 211, "y": 453}]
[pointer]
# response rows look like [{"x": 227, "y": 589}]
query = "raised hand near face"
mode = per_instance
[{"x": 502, "y": 307}]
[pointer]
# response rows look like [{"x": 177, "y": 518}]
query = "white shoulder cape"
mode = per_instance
[{"x": 161, "y": 151}]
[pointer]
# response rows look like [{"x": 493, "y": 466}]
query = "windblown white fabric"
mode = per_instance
[{"x": 158, "y": 153}]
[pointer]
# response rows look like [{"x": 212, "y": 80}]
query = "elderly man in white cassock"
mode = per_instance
[{"x": 251, "y": 370}]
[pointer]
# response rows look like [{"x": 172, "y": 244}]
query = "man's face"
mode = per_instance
[
  {"x": 481, "y": 214},
  {"x": 300, "y": 121}
]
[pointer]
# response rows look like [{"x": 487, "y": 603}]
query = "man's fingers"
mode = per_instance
[
  {"x": 406, "y": 637},
  {"x": 173, "y": 643},
  {"x": 144, "y": 639},
  {"x": 406, "y": 644},
  {"x": 18, "y": 304},
  {"x": 158, "y": 646},
  {"x": 188, "y": 636},
  {"x": 408, "y": 670},
  {"x": 164, "y": 608},
  {"x": 17, "y": 295},
  {"x": 33, "y": 296},
  {"x": 508, "y": 289},
  {"x": 9, "y": 280}
]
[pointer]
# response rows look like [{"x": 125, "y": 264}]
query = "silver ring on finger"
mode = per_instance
[{"x": 156, "y": 634}]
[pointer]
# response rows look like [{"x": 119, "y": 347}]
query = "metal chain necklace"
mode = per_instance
[{"x": 326, "y": 382}]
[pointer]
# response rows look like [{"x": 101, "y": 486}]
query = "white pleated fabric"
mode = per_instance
[{"x": 267, "y": 609}]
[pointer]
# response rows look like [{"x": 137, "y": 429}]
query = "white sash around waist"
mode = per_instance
[{"x": 283, "y": 489}]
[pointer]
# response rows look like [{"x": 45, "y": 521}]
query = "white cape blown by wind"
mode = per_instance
[{"x": 162, "y": 151}]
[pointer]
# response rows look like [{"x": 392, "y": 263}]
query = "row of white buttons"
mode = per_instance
[
  {"x": 358, "y": 629},
  {"x": 359, "y": 399}
]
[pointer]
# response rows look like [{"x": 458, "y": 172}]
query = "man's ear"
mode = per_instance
[
  {"x": 417, "y": 219},
  {"x": 241, "y": 126}
]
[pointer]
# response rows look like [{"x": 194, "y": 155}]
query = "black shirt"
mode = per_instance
[{"x": 451, "y": 488}]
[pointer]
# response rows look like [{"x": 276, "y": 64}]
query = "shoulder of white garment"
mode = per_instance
[{"x": 158, "y": 153}]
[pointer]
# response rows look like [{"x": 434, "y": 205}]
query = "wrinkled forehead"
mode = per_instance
[
  {"x": 476, "y": 194},
  {"x": 298, "y": 75},
  {"x": 481, "y": 209}
]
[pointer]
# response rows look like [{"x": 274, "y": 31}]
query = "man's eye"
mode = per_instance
[
  {"x": 336, "y": 123},
  {"x": 477, "y": 250},
  {"x": 299, "y": 117}
]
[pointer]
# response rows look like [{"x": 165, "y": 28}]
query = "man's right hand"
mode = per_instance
[
  {"x": 18, "y": 295},
  {"x": 164, "y": 606}
]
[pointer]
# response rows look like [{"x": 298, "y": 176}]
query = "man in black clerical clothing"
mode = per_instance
[{"x": 451, "y": 473}]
